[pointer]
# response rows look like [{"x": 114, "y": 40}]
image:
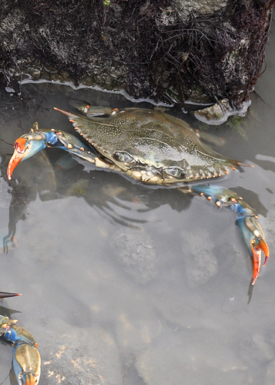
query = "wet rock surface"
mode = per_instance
[{"x": 109, "y": 46}]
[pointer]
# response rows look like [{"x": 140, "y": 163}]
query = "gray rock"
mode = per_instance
[
  {"x": 70, "y": 360},
  {"x": 200, "y": 261},
  {"x": 181, "y": 357},
  {"x": 135, "y": 251}
]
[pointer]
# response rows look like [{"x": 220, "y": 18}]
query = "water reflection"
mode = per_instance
[{"x": 112, "y": 195}]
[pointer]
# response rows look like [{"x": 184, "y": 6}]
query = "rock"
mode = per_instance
[
  {"x": 198, "y": 51},
  {"x": 70, "y": 360},
  {"x": 180, "y": 357},
  {"x": 135, "y": 332},
  {"x": 255, "y": 348},
  {"x": 135, "y": 251},
  {"x": 220, "y": 112},
  {"x": 201, "y": 263}
]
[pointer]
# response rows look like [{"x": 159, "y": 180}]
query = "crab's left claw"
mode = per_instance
[
  {"x": 25, "y": 147},
  {"x": 254, "y": 238},
  {"x": 26, "y": 364}
]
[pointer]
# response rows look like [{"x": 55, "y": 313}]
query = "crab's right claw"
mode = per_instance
[
  {"x": 25, "y": 147},
  {"x": 26, "y": 364},
  {"x": 254, "y": 238}
]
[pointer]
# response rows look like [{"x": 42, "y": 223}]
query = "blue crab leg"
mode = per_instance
[
  {"x": 29, "y": 144},
  {"x": 26, "y": 358},
  {"x": 247, "y": 220}
]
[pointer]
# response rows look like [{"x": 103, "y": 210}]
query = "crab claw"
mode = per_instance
[
  {"x": 26, "y": 358},
  {"x": 4, "y": 294},
  {"x": 26, "y": 364},
  {"x": 247, "y": 220},
  {"x": 254, "y": 238},
  {"x": 25, "y": 147},
  {"x": 29, "y": 144}
]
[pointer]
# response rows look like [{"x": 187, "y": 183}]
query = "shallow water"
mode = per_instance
[{"x": 125, "y": 284}]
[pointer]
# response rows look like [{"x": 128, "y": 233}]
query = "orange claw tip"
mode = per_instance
[
  {"x": 263, "y": 246},
  {"x": 266, "y": 259},
  {"x": 256, "y": 260},
  {"x": 13, "y": 163},
  {"x": 30, "y": 379}
]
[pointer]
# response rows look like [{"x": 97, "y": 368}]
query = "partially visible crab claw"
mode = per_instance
[
  {"x": 254, "y": 238},
  {"x": 26, "y": 364},
  {"x": 26, "y": 358},
  {"x": 25, "y": 147}
]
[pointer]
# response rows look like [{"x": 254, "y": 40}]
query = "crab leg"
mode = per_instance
[
  {"x": 247, "y": 220},
  {"x": 4, "y": 294},
  {"x": 29, "y": 144}
]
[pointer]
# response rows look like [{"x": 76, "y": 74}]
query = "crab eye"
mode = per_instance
[
  {"x": 123, "y": 156},
  {"x": 176, "y": 172}
]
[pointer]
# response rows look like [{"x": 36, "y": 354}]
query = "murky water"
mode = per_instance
[{"x": 125, "y": 284}]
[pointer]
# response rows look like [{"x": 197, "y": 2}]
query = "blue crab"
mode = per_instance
[
  {"x": 154, "y": 148},
  {"x": 26, "y": 358}
]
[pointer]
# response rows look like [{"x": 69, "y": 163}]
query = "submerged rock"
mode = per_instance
[
  {"x": 71, "y": 360},
  {"x": 135, "y": 251},
  {"x": 201, "y": 263},
  {"x": 180, "y": 357}
]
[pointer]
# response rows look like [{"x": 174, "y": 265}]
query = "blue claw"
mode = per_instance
[
  {"x": 247, "y": 220},
  {"x": 29, "y": 144},
  {"x": 25, "y": 147},
  {"x": 26, "y": 358},
  {"x": 26, "y": 364}
]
